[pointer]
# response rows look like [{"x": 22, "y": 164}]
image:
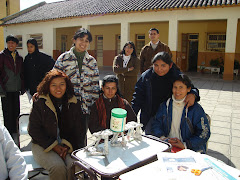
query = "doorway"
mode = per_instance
[
  {"x": 189, "y": 52},
  {"x": 193, "y": 52},
  {"x": 99, "y": 50}
]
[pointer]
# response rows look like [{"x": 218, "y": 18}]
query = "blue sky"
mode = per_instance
[{"x": 27, "y": 3}]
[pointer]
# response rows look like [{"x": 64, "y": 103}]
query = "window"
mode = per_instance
[
  {"x": 63, "y": 43},
  {"x": 216, "y": 41},
  {"x": 193, "y": 37},
  {"x": 99, "y": 46},
  {"x": 39, "y": 39},
  {"x": 140, "y": 43},
  {"x": 100, "y": 38},
  {"x": 118, "y": 42},
  {"x": 20, "y": 41}
]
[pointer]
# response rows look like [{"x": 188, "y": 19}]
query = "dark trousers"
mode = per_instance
[
  {"x": 11, "y": 110},
  {"x": 85, "y": 119}
]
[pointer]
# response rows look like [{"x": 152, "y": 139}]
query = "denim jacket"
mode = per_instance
[{"x": 194, "y": 126}]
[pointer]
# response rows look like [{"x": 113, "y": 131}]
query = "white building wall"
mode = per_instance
[{"x": 47, "y": 28}]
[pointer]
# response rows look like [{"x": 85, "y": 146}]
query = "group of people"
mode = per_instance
[
  {"x": 17, "y": 77},
  {"x": 69, "y": 100}
]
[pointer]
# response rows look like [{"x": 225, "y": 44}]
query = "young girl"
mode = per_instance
[{"x": 183, "y": 128}]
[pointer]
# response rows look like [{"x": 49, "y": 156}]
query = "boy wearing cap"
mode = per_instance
[{"x": 11, "y": 83}]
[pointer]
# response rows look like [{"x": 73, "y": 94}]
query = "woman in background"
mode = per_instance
[
  {"x": 126, "y": 66},
  {"x": 36, "y": 65}
]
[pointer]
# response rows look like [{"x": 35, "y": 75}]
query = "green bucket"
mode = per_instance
[{"x": 118, "y": 119}]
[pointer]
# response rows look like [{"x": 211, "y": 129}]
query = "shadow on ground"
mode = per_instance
[
  {"x": 27, "y": 147},
  {"x": 220, "y": 156}
]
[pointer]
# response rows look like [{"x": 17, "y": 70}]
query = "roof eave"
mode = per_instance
[
  {"x": 12, "y": 16},
  {"x": 121, "y": 12}
]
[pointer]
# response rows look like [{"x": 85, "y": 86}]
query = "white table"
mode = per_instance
[
  {"x": 215, "y": 69},
  {"x": 154, "y": 171},
  {"x": 121, "y": 159}
]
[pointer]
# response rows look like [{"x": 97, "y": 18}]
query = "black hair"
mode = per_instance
[
  {"x": 13, "y": 38},
  {"x": 80, "y": 33},
  {"x": 134, "y": 48},
  {"x": 184, "y": 79},
  {"x": 44, "y": 87},
  {"x": 153, "y": 29},
  {"x": 33, "y": 42},
  {"x": 164, "y": 56},
  {"x": 111, "y": 78}
]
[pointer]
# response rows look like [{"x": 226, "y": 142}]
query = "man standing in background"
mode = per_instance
[
  {"x": 152, "y": 48},
  {"x": 11, "y": 84}
]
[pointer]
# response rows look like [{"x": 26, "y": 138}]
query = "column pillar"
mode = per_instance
[
  {"x": 125, "y": 32},
  {"x": 86, "y": 26},
  {"x": 52, "y": 40},
  {"x": 173, "y": 38},
  {"x": 230, "y": 47}
]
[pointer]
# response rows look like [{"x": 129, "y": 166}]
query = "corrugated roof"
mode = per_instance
[{"x": 78, "y": 8}]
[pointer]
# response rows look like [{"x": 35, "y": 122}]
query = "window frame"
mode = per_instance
[
  {"x": 118, "y": 44},
  {"x": 35, "y": 36},
  {"x": 20, "y": 42},
  {"x": 138, "y": 40},
  {"x": 218, "y": 44}
]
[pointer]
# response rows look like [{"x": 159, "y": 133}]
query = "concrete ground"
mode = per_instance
[{"x": 220, "y": 99}]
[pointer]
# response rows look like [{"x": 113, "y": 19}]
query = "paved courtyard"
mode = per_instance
[{"x": 220, "y": 99}]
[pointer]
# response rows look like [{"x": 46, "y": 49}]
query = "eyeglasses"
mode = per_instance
[{"x": 129, "y": 47}]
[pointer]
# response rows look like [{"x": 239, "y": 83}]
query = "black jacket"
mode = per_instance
[
  {"x": 11, "y": 73},
  {"x": 36, "y": 65},
  {"x": 43, "y": 124}
]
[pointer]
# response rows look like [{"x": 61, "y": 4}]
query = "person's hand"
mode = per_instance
[
  {"x": 131, "y": 68},
  {"x": 35, "y": 97},
  {"x": 61, "y": 151},
  {"x": 176, "y": 143},
  {"x": 189, "y": 100}
]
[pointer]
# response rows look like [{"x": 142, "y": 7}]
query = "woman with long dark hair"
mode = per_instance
[
  {"x": 126, "y": 65},
  {"x": 36, "y": 65}
]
